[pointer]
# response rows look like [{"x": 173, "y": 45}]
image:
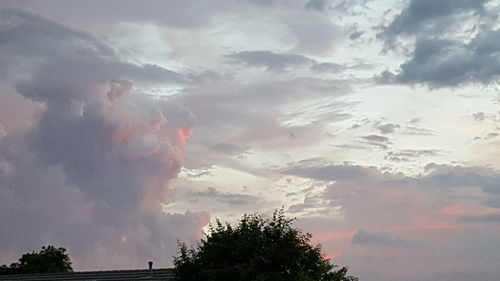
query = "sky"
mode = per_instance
[{"x": 126, "y": 126}]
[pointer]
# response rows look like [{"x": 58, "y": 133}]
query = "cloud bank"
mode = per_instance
[{"x": 88, "y": 162}]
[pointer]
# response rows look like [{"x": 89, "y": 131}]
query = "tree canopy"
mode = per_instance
[
  {"x": 49, "y": 260},
  {"x": 256, "y": 249}
]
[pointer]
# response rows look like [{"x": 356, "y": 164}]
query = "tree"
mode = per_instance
[
  {"x": 49, "y": 260},
  {"x": 257, "y": 249}
]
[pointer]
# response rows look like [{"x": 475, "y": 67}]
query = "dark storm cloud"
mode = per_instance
[
  {"x": 271, "y": 61},
  {"x": 440, "y": 57},
  {"x": 93, "y": 162},
  {"x": 440, "y": 62},
  {"x": 431, "y": 16}
]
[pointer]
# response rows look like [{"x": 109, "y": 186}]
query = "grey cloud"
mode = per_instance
[
  {"x": 408, "y": 128},
  {"x": 336, "y": 6},
  {"x": 318, "y": 5},
  {"x": 27, "y": 35},
  {"x": 363, "y": 237},
  {"x": 3, "y": 133},
  {"x": 230, "y": 149},
  {"x": 431, "y": 16},
  {"x": 445, "y": 176},
  {"x": 266, "y": 3},
  {"x": 40, "y": 206},
  {"x": 254, "y": 112},
  {"x": 490, "y": 218},
  {"x": 387, "y": 128},
  {"x": 315, "y": 205},
  {"x": 376, "y": 138},
  {"x": 439, "y": 176},
  {"x": 92, "y": 165},
  {"x": 407, "y": 155},
  {"x": 271, "y": 61},
  {"x": 334, "y": 172},
  {"x": 415, "y": 130},
  {"x": 174, "y": 13},
  {"x": 479, "y": 116},
  {"x": 494, "y": 202},
  {"x": 315, "y": 33},
  {"x": 356, "y": 34},
  {"x": 62, "y": 52},
  {"x": 377, "y": 141},
  {"x": 440, "y": 62},
  {"x": 327, "y": 67},
  {"x": 491, "y": 135},
  {"x": 225, "y": 197},
  {"x": 369, "y": 198}
]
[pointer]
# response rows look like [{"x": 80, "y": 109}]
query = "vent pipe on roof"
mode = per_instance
[{"x": 150, "y": 265}]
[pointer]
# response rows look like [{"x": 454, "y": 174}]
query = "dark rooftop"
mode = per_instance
[{"x": 162, "y": 274}]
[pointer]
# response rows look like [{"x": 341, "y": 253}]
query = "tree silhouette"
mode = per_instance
[
  {"x": 49, "y": 260},
  {"x": 257, "y": 249}
]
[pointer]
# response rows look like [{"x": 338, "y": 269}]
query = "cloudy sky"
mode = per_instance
[{"x": 128, "y": 125}]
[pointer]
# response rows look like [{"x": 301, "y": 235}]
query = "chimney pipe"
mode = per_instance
[{"x": 150, "y": 263}]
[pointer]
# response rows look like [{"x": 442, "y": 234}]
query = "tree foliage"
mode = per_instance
[
  {"x": 49, "y": 260},
  {"x": 257, "y": 249}
]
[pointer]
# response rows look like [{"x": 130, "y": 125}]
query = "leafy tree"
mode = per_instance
[
  {"x": 257, "y": 249},
  {"x": 49, "y": 260}
]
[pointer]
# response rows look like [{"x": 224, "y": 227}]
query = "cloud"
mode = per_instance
[
  {"x": 399, "y": 218},
  {"x": 407, "y": 155},
  {"x": 479, "y": 116},
  {"x": 377, "y": 141},
  {"x": 387, "y": 128},
  {"x": 174, "y": 13},
  {"x": 89, "y": 163},
  {"x": 441, "y": 62},
  {"x": 445, "y": 54},
  {"x": 491, "y": 218},
  {"x": 225, "y": 197},
  {"x": 424, "y": 16},
  {"x": 271, "y": 61},
  {"x": 318, "y": 5},
  {"x": 229, "y": 149},
  {"x": 334, "y": 172},
  {"x": 363, "y": 237},
  {"x": 327, "y": 67}
]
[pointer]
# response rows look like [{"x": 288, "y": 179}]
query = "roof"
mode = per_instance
[{"x": 161, "y": 274}]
